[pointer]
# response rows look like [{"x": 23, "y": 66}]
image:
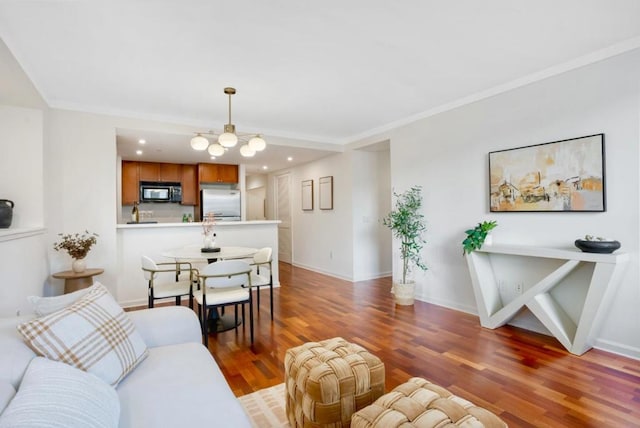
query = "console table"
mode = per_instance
[{"x": 567, "y": 290}]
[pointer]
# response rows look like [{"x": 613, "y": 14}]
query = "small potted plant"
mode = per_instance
[
  {"x": 77, "y": 246},
  {"x": 407, "y": 224},
  {"x": 476, "y": 236}
]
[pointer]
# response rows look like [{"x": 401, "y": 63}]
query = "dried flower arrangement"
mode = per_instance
[{"x": 76, "y": 245}]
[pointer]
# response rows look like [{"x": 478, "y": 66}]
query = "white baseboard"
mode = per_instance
[
  {"x": 324, "y": 272},
  {"x": 617, "y": 348}
]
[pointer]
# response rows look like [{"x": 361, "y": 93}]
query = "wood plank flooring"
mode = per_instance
[{"x": 526, "y": 378}]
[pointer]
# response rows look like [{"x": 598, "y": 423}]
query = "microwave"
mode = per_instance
[{"x": 160, "y": 193}]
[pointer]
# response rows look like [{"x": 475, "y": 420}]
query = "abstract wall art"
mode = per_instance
[{"x": 566, "y": 175}]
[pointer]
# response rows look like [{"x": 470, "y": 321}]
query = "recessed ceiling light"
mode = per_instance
[
  {"x": 138, "y": 152},
  {"x": 213, "y": 158},
  {"x": 289, "y": 158},
  {"x": 142, "y": 141},
  {"x": 264, "y": 167}
]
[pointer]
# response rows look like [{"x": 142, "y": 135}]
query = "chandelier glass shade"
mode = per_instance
[
  {"x": 216, "y": 149},
  {"x": 199, "y": 142},
  {"x": 252, "y": 143}
]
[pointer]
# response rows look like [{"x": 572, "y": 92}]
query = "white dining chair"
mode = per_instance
[
  {"x": 224, "y": 283},
  {"x": 261, "y": 274},
  {"x": 164, "y": 280}
]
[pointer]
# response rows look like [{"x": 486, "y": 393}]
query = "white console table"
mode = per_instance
[{"x": 567, "y": 290}]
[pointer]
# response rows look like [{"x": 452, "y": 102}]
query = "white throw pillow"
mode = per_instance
[
  {"x": 54, "y": 394},
  {"x": 46, "y": 305},
  {"x": 93, "y": 334}
]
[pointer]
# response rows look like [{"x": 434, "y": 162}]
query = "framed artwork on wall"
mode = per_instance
[
  {"x": 560, "y": 176},
  {"x": 307, "y": 195},
  {"x": 326, "y": 192}
]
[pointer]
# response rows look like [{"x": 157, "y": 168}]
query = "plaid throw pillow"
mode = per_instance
[{"x": 93, "y": 334}]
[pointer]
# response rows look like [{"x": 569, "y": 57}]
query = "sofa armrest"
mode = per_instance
[{"x": 167, "y": 325}]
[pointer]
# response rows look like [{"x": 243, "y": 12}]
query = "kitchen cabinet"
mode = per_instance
[
  {"x": 189, "y": 183},
  {"x": 171, "y": 172},
  {"x": 130, "y": 183},
  {"x": 217, "y": 173},
  {"x": 149, "y": 171},
  {"x": 164, "y": 172}
]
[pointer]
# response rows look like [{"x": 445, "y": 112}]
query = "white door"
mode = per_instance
[{"x": 283, "y": 213}]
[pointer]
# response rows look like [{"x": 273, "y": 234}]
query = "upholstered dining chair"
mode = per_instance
[
  {"x": 261, "y": 275},
  {"x": 165, "y": 280},
  {"x": 224, "y": 283}
]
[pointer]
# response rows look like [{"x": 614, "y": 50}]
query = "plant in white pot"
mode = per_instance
[{"x": 407, "y": 224}]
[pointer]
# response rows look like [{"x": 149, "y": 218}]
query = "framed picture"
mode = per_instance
[
  {"x": 307, "y": 195},
  {"x": 566, "y": 175},
  {"x": 326, "y": 192}
]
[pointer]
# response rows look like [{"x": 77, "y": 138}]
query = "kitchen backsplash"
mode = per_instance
[{"x": 160, "y": 212}]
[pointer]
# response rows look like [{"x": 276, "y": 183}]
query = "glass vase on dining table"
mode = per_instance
[{"x": 208, "y": 222}]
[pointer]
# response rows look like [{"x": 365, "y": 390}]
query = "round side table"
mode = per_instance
[{"x": 74, "y": 281}]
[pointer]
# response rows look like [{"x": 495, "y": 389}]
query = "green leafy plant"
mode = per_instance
[
  {"x": 407, "y": 224},
  {"x": 76, "y": 245},
  {"x": 476, "y": 236}
]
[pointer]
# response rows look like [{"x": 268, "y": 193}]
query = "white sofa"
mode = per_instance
[{"x": 177, "y": 385}]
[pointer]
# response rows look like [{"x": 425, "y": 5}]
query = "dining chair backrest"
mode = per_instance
[
  {"x": 262, "y": 256},
  {"x": 226, "y": 273},
  {"x": 148, "y": 267}
]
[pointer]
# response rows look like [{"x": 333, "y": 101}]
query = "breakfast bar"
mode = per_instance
[{"x": 154, "y": 240}]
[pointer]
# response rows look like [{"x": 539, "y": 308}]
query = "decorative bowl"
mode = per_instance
[{"x": 602, "y": 247}]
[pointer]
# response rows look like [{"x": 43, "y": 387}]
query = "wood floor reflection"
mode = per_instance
[{"x": 526, "y": 378}]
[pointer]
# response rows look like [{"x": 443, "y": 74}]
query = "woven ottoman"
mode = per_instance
[
  {"x": 420, "y": 403},
  {"x": 327, "y": 381}
]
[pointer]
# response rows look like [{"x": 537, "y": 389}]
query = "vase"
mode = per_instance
[
  {"x": 78, "y": 265},
  {"x": 404, "y": 294}
]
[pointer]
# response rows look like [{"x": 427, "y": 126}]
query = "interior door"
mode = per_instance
[{"x": 283, "y": 213}]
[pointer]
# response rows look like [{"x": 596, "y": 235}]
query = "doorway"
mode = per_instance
[{"x": 283, "y": 213}]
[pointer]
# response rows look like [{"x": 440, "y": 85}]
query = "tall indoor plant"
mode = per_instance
[{"x": 407, "y": 224}]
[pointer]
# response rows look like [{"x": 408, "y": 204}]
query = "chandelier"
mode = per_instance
[{"x": 252, "y": 143}]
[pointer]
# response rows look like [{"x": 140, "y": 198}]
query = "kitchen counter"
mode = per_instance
[
  {"x": 154, "y": 239},
  {"x": 193, "y": 224}
]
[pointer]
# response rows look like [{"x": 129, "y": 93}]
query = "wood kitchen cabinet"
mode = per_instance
[
  {"x": 189, "y": 183},
  {"x": 164, "y": 172},
  {"x": 130, "y": 183},
  {"x": 171, "y": 172},
  {"x": 149, "y": 171},
  {"x": 217, "y": 173}
]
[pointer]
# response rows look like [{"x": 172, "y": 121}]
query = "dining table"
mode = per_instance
[
  {"x": 218, "y": 321},
  {"x": 196, "y": 252}
]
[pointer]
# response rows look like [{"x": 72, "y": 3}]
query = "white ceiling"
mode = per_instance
[{"x": 329, "y": 71}]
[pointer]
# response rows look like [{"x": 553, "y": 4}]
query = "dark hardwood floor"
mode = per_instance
[{"x": 526, "y": 378}]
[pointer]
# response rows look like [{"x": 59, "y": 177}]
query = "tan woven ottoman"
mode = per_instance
[
  {"x": 327, "y": 381},
  {"x": 420, "y": 403}
]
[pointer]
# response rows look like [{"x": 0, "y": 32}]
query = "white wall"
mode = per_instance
[
  {"x": 21, "y": 164},
  {"x": 347, "y": 242},
  {"x": 447, "y": 155},
  {"x": 319, "y": 236},
  {"x": 23, "y": 265},
  {"x": 371, "y": 202},
  {"x": 256, "y": 194}
]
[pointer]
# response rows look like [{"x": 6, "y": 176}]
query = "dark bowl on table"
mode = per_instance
[{"x": 602, "y": 247}]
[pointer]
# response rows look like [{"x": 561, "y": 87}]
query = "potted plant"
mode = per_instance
[
  {"x": 407, "y": 224},
  {"x": 77, "y": 246},
  {"x": 476, "y": 236}
]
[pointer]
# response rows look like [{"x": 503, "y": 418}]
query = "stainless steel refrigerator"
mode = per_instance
[{"x": 223, "y": 203}]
